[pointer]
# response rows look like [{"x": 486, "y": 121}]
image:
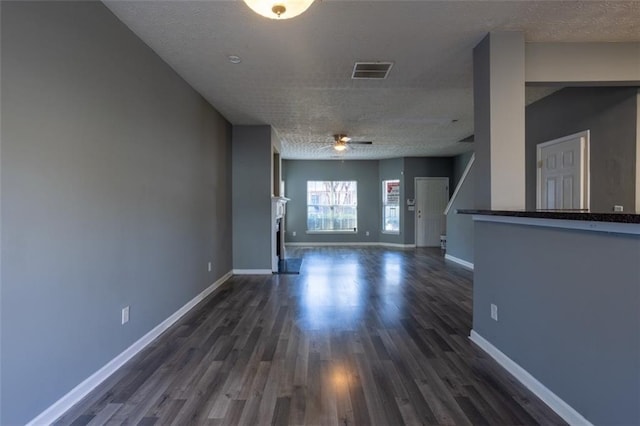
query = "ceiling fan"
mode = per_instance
[{"x": 342, "y": 142}]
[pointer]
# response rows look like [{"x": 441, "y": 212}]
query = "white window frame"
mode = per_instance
[
  {"x": 332, "y": 205},
  {"x": 386, "y": 204}
]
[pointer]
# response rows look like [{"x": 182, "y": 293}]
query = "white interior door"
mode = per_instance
[
  {"x": 432, "y": 195},
  {"x": 563, "y": 173}
]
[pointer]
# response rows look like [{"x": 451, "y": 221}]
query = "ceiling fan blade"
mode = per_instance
[{"x": 359, "y": 142}]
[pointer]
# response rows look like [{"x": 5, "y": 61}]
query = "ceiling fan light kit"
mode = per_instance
[
  {"x": 282, "y": 9},
  {"x": 340, "y": 142}
]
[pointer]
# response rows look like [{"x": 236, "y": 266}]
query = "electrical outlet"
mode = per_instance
[
  {"x": 125, "y": 315},
  {"x": 293, "y": 233},
  {"x": 618, "y": 208},
  {"x": 367, "y": 233},
  {"x": 209, "y": 266},
  {"x": 494, "y": 312}
]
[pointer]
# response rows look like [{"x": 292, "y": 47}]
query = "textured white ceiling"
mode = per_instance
[{"x": 295, "y": 74}]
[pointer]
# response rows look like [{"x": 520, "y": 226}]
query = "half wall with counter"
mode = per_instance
[{"x": 566, "y": 291}]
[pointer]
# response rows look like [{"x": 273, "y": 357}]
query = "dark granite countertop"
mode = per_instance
[{"x": 625, "y": 217}]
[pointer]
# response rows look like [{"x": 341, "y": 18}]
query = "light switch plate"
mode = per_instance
[
  {"x": 125, "y": 315},
  {"x": 494, "y": 312}
]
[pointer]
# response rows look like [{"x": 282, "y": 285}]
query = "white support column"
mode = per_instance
[{"x": 499, "y": 104}]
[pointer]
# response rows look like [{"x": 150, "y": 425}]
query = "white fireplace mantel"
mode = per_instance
[{"x": 278, "y": 211}]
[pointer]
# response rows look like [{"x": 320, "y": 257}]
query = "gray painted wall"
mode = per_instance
[
  {"x": 369, "y": 175},
  {"x": 252, "y": 182},
  {"x": 460, "y": 226},
  {"x": 482, "y": 122},
  {"x": 298, "y": 172},
  {"x": 115, "y": 192},
  {"x": 610, "y": 113},
  {"x": 459, "y": 165},
  {"x": 569, "y": 312}
]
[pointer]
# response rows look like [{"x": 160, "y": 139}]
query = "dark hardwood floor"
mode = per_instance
[{"x": 362, "y": 336}]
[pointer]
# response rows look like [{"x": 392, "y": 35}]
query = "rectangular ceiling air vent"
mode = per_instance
[{"x": 371, "y": 70}]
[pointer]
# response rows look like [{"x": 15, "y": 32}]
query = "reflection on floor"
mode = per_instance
[
  {"x": 290, "y": 265},
  {"x": 362, "y": 336}
]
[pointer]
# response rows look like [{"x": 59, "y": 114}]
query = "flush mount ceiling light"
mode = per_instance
[{"x": 282, "y": 9}]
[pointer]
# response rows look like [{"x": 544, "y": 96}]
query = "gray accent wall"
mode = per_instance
[
  {"x": 115, "y": 191},
  {"x": 482, "y": 122},
  {"x": 611, "y": 115},
  {"x": 460, "y": 226},
  {"x": 459, "y": 165},
  {"x": 252, "y": 183},
  {"x": 569, "y": 312},
  {"x": 369, "y": 174},
  {"x": 365, "y": 172}
]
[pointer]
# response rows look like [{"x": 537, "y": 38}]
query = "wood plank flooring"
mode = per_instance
[{"x": 363, "y": 336}]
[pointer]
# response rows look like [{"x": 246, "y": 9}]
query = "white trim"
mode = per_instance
[
  {"x": 359, "y": 244},
  {"x": 342, "y": 231},
  {"x": 459, "y": 261},
  {"x": 382, "y": 244},
  {"x": 564, "y": 410},
  {"x": 252, "y": 272},
  {"x": 63, "y": 405},
  {"x": 462, "y": 179},
  {"x": 585, "y": 164},
  {"x": 314, "y": 244},
  {"x": 585, "y": 225}
]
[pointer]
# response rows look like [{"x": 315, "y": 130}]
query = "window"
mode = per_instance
[
  {"x": 391, "y": 206},
  {"x": 332, "y": 206}
]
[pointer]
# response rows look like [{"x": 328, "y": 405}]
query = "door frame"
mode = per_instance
[
  {"x": 585, "y": 178},
  {"x": 415, "y": 193}
]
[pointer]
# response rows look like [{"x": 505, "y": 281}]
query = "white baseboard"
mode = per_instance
[
  {"x": 558, "y": 405},
  {"x": 314, "y": 244},
  {"x": 61, "y": 406},
  {"x": 459, "y": 261},
  {"x": 395, "y": 245},
  {"x": 252, "y": 272},
  {"x": 357, "y": 244}
]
